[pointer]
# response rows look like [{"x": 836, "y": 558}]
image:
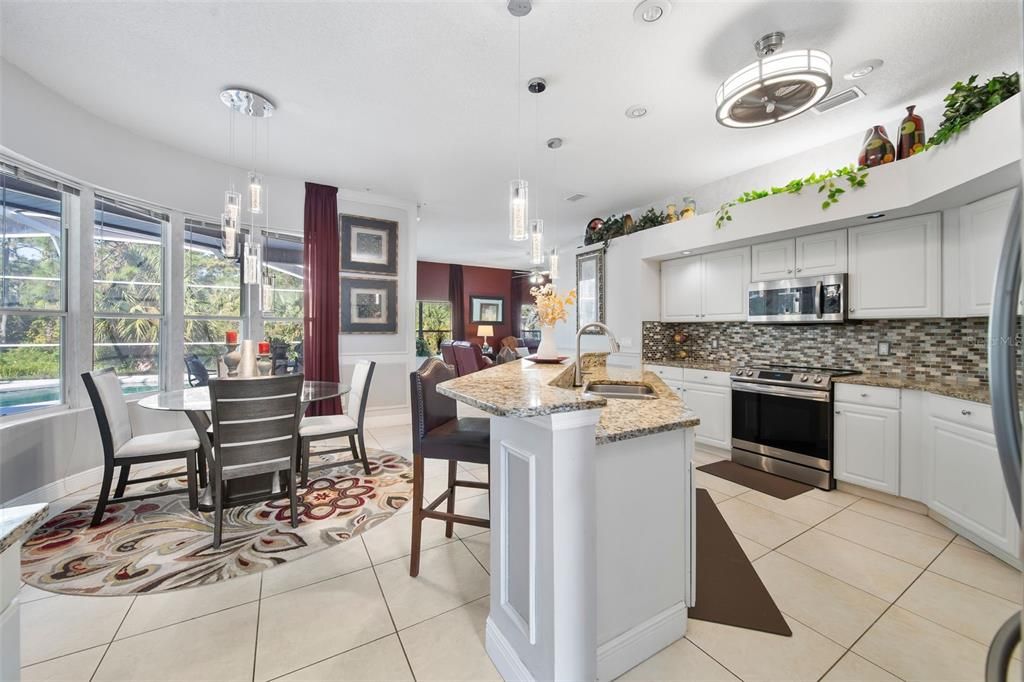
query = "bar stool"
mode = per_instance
[{"x": 438, "y": 433}]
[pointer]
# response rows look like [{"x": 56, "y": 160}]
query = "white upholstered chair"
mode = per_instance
[{"x": 312, "y": 429}]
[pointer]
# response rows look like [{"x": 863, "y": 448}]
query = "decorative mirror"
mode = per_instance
[{"x": 590, "y": 289}]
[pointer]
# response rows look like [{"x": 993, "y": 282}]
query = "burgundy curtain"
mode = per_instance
[
  {"x": 457, "y": 296},
  {"x": 320, "y": 291}
]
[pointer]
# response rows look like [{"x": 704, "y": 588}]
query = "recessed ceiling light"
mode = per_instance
[
  {"x": 650, "y": 11},
  {"x": 875, "y": 216},
  {"x": 863, "y": 69},
  {"x": 636, "y": 111},
  {"x": 554, "y": 143}
]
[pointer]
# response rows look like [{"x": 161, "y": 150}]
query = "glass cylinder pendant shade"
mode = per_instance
[
  {"x": 268, "y": 293},
  {"x": 553, "y": 264},
  {"x": 229, "y": 236},
  {"x": 537, "y": 242},
  {"x": 252, "y": 263},
  {"x": 232, "y": 204},
  {"x": 255, "y": 193},
  {"x": 517, "y": 210}
]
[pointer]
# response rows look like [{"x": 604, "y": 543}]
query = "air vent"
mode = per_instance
[
  {"x": 836, "y": 101},
  {"x": 576, "y": 197}
]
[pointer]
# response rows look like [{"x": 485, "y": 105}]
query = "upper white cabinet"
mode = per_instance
[
  {"x": 982, "y": 229},
  {"x": 895, "y": 268},
  {"x": 681, "y": 289},
  {"x": 817, "y": 254},
  {"x": 708, "y": 288},
  {"x": 772, "y": 260}
]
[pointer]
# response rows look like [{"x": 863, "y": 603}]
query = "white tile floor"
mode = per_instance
[{"x": 871, "y": 592}]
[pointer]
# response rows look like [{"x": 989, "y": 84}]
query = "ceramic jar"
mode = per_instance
[
  {"x": 912, "y": 136},
  {"x": 877, "y": 148}
]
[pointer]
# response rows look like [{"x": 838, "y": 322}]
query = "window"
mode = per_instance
[
  {"x": 32, "y": 302},
  {"x": 282, "y": 300},
  {"x": 529, "y": 323},
  {"x": 433, "y": 325},
  {"x": 128, "y": 293},
  {"x": 213, "y": 298}
]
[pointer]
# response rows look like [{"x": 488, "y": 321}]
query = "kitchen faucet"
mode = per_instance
[{"x": 578, "y": 381}]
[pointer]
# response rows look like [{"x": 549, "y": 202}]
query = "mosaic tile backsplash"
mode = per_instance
[{"x": 948, "y": 349}]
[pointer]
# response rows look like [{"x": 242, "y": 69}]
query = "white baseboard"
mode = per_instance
[
  {"x": 504, "y": 657},
  {"x": 379, "y": 420},
  {"x": 640, "y": 642}
]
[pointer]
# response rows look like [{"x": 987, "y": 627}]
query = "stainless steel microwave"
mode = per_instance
[{"x": 798, "y": 300}]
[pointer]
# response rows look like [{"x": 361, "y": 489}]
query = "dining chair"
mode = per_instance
[
  {"x": 438, "y": 433},
  {"x": 255, "y": 422},
  {"x": 340, "y": 425},
  {"x": 122, "y": 448},
  {"x": 469, "y": 358},
  {"x": 506, "y": 354}
]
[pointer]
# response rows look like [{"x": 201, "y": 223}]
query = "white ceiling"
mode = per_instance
[{"x": 417, "y": 99}]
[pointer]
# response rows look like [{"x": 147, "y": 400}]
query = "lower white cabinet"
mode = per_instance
[
  {"x": 963, "y": 478},
  {"x": 705, "y": 394},
  {"x": 867, "y": 446}
]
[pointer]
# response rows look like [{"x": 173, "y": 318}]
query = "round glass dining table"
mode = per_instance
[{"x": 195, "y": 403}]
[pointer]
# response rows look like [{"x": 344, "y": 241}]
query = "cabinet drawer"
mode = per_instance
[
  {"x": 706, "y": 376},
  {"x": 964, "y": 412},
  {"x": 877, "y": 396},
  {"x": 665, "y": 372}
]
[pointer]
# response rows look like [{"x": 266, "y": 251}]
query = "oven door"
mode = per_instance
[
  {"x": 785, "y": 423},
  {"x": 803, "y": 299}
]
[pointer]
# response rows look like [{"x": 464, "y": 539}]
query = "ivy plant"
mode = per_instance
[
  {"x": 828, "y": 183},
  {"x": 968, "y": 101}
]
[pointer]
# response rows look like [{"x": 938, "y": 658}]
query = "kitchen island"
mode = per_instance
[{"x": 592, "y": 517}]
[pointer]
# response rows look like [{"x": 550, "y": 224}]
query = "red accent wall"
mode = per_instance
[{"x": 432, "y": 284}]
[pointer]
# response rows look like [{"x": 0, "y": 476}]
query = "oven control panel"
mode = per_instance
[{"x": 796, "y": 377}]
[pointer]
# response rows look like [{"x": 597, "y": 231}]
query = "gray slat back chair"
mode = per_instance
[{"x": 255, "y": 422}]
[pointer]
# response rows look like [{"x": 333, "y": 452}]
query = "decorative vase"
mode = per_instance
[
  {"x": 247, "y": 365},
  {"x": 672, "y": 216},
  {"x": 231, "y": 359},
  {"x": 548, "y": 348},
  {"x": 263, "y": 365},
  {"x": 912, "y": 136},
  {"x": 877, "y": 149},
  {"x": 628, "y": 225}
]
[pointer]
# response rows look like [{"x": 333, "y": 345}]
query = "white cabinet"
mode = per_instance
[
  {"x": 708, "y": 394},
  {"x": 824, "y": 253},
  {"x": 964, "y": 481},
  {"x": 681, "y": 289},
  {"x": 895, "y": 269},
  {"x": 772, "y": 260},
  {"x": 982, "y": 229},
  {"x": 708, "y": 288},
  {"x": 867, "y": 446}
]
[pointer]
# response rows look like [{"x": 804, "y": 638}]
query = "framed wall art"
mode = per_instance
[
  {"x": 487, "y": 309},
  {"x": 369, "y": 245},
  {"x": 369, "y": 306}
]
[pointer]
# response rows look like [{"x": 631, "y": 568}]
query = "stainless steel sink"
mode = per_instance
[{"x": 622, "y": 391}]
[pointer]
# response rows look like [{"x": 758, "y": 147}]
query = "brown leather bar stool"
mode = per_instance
[{"x": 438, "y": 433}]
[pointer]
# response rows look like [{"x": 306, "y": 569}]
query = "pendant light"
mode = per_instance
[
  {"x": 553, "y": 264},
  {"x": 779, "y": 85},
  {"x": 518, "y": 190},
  {"x": 255, "y": 106},
  {"x": 537, "y": 241}
]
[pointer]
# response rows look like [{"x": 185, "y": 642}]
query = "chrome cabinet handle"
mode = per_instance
[
  {"x": 838, "y": 412},
  {"x": 863, "y": 395},
  {"x": 852, "y": 309},
  {"x": 966, "y": 413},
  {"x": 789, "y": 271},
  {"x": 799, "y": 269}
]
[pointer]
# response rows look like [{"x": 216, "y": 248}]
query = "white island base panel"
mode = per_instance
[{"x": 592, "y": 547}]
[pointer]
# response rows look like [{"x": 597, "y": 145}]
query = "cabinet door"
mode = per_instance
[
  {"x": 714, "y": 407},
  {"x": 965, "y": 483},
  {"x": 681, "y": 289},
  {"x": 867, "y": 446},
  {"x": 726, "y": 278},
  {"x": 982, "y": 229},
  {"x": 772, "y": 260},
  {"x": 895, "y": 269},
  {"x": 821, "y": 254}
]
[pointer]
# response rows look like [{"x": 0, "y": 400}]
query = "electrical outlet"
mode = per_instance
[
  {"x": 883, "y": 348},
  {"x": 714, "y": 343},
  {"x": 626, "y": 342}
]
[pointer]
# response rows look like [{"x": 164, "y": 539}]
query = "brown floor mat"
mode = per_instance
[
  {"x": 758, "y": 480},
  {"x": 729, "y": 591}
]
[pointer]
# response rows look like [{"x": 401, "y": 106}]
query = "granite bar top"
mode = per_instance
[
  {"x": 525, "y": 389},
  {"x": 974, "y": 392},
  {"x": 18, "y": 522}
]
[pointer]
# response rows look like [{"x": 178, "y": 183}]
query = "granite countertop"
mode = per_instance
[
  {"x": 525, "y": 389},
  {"x": 976, "y": 392},
  {"x": 18, "y": 522},
  {"x": 710, "y": 365}
]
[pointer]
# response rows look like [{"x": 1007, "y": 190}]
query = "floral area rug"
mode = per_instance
[{"x": 159, "y": 544}]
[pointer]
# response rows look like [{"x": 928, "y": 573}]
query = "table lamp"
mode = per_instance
[{"x": 485, "y": 330}]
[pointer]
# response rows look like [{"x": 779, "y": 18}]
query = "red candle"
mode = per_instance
[
  {"x": 264, "y": 348},
  {"x": 231, "y": 336}
]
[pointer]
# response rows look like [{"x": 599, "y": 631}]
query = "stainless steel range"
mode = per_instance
[{"x": 782, "y": 421}]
